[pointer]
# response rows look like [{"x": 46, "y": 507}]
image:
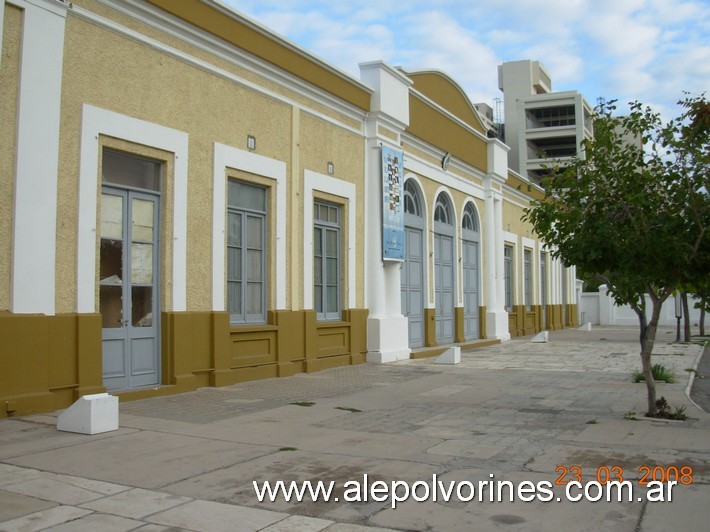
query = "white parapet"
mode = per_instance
[
  {"x": 451, "y": 356},
  {"x": 90, "y": 414},
  {"x": 541, "y": 338}
]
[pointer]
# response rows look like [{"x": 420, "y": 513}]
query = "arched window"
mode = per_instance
[
  {"x": 442, "y": 210},
  {"x": 412, "y": 205},
  {"x": 469, "y": 221}
]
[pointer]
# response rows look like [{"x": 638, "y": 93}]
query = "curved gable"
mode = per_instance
[{"x": 444, "y": 91}]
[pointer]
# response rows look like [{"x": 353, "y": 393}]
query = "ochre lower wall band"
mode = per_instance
[{"x": 50, "y": 361}]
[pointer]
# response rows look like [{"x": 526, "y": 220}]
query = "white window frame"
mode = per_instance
[
  {"x": 313, "y": 181},
  {"x": 230, "y": 157},
  {"x": 96, "y": 122}
]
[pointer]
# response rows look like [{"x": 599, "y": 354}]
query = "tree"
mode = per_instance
[{"x": 633, "y": 209}]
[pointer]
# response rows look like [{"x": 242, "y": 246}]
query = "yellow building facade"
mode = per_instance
[{"x": 190, "y": 200}]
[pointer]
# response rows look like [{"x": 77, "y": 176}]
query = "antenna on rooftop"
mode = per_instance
[{"x": 498, "y": 118}]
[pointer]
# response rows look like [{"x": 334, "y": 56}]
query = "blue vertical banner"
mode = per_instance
[{"x": 392, "y": 204}]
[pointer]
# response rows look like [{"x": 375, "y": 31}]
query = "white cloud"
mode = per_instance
[
  {"x": 621, "y": 36},
  {"x": 437, "y": 41},
  {"x": 628, "y": 49}
]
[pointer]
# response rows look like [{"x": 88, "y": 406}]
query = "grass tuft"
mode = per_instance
[{"x": 659, "y": 372}]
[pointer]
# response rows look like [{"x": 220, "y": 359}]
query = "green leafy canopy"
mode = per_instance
[{"x": 633, "y": 207}]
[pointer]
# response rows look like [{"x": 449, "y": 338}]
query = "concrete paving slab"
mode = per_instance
[
  {"x": 299, "y": 523},
  {"x": 20, "y": 437},
  {"x": 94, "y": 522},
  {"x": 45, "y": 519},
  {"x": 160, "y": 528},
  {"x": 144, "y": 459},
  {"x": 10, "y": 474},
  {"x": 445, "y": 391},
  {"x": 467, "y": 449},
  {"x": 656, "y": 434},
  {"x": 96, "y": 486},
  {"x": 347, "y": 527},
  {"x": 484, "y": 515},
  {"x": 690, "y": 502},
  {"x": 136, "y": 503},
  {"x": 217, "y": 517},
  {"x": 51, "y": 489},
  {"x": 303, "y": 433},
  {"x": 445, "y": 433},
  {"x": 234, "y": 485},
  {"x": 13, "y": 505}
]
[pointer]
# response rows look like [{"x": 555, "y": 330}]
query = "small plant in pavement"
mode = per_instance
[
  {"x": 663, "y": 411},
  {"x": 659, "y": 372}
]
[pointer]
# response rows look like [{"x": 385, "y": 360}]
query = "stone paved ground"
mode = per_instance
[{"x": 513, "y": 412}]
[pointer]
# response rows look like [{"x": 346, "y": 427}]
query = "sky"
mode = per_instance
[{"x": 629, "y": 50}]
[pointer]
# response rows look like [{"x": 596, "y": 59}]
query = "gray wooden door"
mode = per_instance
[
  {"x": 412, "y": 281},
  {"x": 470, "y": 289},
  {"x": 128, "y": 288},
  {"x": 444, "y": 287}
]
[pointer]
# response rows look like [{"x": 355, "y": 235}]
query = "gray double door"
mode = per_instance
[{"x": 128, "y": 288}]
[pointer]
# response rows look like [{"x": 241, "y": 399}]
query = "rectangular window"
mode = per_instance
[
  {"x": 527, "y": 277},
  {"x": 246, "y": 252},
  {"x": 508, "y": 274},
  {"x": 326, "y": 260}
]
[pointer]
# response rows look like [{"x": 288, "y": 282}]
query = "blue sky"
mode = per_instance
[{"x": 646, "y": 50}]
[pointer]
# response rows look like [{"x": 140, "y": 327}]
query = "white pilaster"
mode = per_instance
[
  {"x": 489, "y": 235},
  {"x": 497, "y": 174},
  {"x": 497, "y": 317},
  {"x": 387, "y": 328},
  {"x": 37, "y": 158}
]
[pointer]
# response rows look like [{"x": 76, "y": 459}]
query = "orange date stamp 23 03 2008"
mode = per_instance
[{"x": 604, "y": 474}]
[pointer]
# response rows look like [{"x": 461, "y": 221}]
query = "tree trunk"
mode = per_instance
[
  {"x": 702, "y": 316},
  {"x": 686, "y": 316},
  {"x": 647, "y": 339}
]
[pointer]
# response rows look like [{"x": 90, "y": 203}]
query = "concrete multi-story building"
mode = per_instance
[
  {"x": 187, "y": 199},
  {"x": 541, "y": 127}
]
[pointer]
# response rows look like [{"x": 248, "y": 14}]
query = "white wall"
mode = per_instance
[{"x": 599, "y": 309}]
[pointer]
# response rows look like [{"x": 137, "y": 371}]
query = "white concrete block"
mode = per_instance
[
  {"x": 585, "y": 326},
  {"x": 451, "y": 356},
  {"x": 90, "y": 414},
  {"x": 387, "y": 339},
  {"x": 541, "y": 338}
]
